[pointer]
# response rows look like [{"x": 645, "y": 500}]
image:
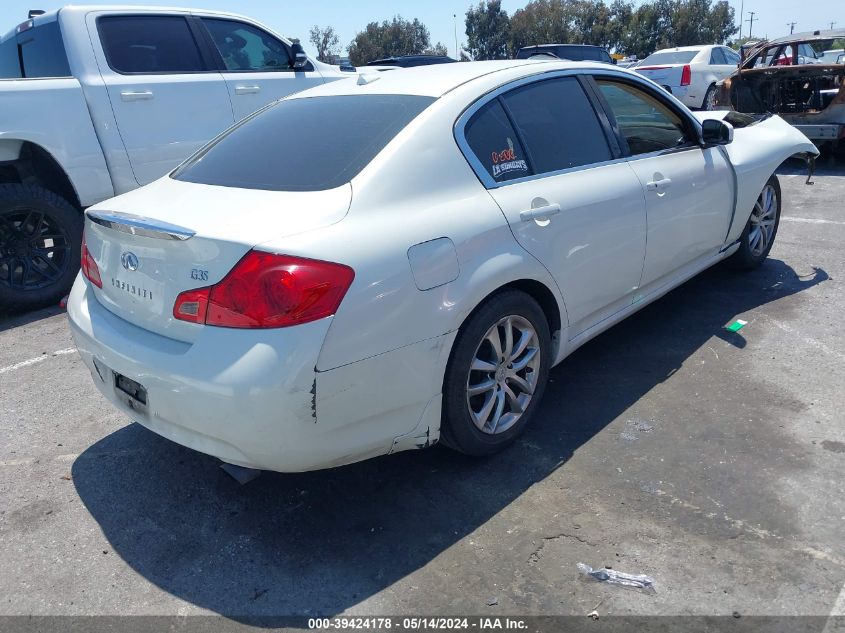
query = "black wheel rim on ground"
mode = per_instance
[{"x": 34, "y": 249}]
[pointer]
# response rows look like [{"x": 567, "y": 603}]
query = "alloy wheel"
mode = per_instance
[
  {"x": 763, "y": 218},
  {"x": 34, "y": 250},
  {"x": 503, "y": 375}
]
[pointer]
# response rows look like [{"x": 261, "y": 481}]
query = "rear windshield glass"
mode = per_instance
[
  {"x": 669, "y": 57},
  {"x": 571, "y": 53},
  {"x": 35, "y": 52},
  {"x": 10, "y": 63},
  {"x": 306, "y": 144},
  {"x": 582, "y": 53}
]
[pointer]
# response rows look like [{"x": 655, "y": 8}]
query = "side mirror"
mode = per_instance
[
  {"x": 614, "y": 61},
  {"x": 300, "y": 59},
  {"x": 716, "y": 132}
]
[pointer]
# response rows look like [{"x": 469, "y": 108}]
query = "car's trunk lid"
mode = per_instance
[
  {"x": 158, "y": 241},
  {"x": 662, "y": 74}
]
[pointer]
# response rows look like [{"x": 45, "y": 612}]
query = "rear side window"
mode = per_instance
[
  {"x": 717, "y": 57},
  {"x": 149, "y": 44},
  {"x": 497, "y": 147},
  {"x": 731, "y": 57},
  {"x": 306, "y": 144},
  {"x": 37, "y": 51},
  {"x": 558, "y": 124},
  {"x": 645, "y": 122},
  {"x": 246, "y": 48}
]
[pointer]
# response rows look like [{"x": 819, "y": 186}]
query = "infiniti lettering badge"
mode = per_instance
[{"x": 129, "y": 260}]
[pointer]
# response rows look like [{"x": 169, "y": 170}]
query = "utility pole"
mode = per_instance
[
  {"x": 741, "y": 7},
  {"x": 751, "y": 21},
  {"x": 457, "y": 52},
  {"x": 791, "y": 26}
]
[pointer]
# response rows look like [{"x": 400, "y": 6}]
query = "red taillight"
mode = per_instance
[
  {"x": 686, "y": 75},
  {"x": 264, "y": 290},
  {"x": 89, "y": 266},
  {"x": 192, "y": 305}
]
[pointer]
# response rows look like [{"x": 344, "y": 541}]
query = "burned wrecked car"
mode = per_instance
[{"x": 785, "y": 77}]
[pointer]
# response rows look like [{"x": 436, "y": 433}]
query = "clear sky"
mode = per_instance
[{"x": 294, "y": 19}]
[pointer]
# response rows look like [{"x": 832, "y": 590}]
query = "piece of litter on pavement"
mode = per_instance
[
  {"x": 492, "y": 602},
  {"x": 736, "y": 326},
  {"x": 593, "y": 614},
  {"x": 640, "y": 581}
]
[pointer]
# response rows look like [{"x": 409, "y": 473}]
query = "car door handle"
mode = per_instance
[
  {"x": 539, "y": 213},
  {"x": 136, "y": 95},
  {"x": 658, "y": 185},
  {"x": 247, "y": 90}
]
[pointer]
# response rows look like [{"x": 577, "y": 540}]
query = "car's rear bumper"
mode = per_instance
[{"x": 245, "y": 396}]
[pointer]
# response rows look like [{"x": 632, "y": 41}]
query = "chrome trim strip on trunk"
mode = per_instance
[{"x": 139, "y": 225}]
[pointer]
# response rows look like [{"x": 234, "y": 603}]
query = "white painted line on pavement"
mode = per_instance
[
  {"x": 811, "y": 220},
  {"x": 36, "y": 360}
]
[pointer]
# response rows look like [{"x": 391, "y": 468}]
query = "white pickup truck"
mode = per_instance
[{"x": 96, "y": 101}]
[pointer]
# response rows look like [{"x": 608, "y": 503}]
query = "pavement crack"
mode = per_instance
[{"x": 534, "y": 557}]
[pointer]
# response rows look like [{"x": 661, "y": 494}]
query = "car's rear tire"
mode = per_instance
[
  {"x": 40, "y": 241},
  {"x": 760, "y": 231},
  {"x": 496, "y": 375},
  {"x": 709, "y": 102}
]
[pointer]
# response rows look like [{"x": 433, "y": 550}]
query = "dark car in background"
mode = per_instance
[
  {"x": 569, "y": 52},
  {"x": 409, "y": 61}
]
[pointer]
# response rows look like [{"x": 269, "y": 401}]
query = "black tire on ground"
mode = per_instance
[
  {"x": 40, "y": 242},
  {"x": 709, "y": 102},
  {"x": 746, "y": 258},
  {"x": 458, "y": 431}
]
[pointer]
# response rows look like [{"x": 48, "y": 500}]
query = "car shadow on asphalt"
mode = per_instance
[
  {"x": 10, "y": 320},
  {"x": 319, "y": 543}
]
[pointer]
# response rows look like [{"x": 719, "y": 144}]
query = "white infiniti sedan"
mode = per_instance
[{"x": 361, "y": 269}]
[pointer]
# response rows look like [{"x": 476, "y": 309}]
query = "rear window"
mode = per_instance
[
  {"x": 495, "y": 143},
  {"x": 669, "y": 57},
  {"x": 149, "y": 44},
  {"x": 571, "y": 53},
  {"x": 583, "y": 53},
  {"x": 10, "y": 65},
  {"x": 558, "y": 124},
  {"x": 35, "y": 52},
  {"x": 306, "y": 144}
]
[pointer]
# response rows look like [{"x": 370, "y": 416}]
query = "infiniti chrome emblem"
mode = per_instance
[{"x": 129, "y": 260}]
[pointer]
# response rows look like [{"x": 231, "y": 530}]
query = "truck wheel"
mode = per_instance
[
  {"x": 759, "y": 233},
  {"x": 40, "y": 241}
]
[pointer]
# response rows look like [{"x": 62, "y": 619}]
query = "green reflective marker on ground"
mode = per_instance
[{"x": 736, "y": 326}]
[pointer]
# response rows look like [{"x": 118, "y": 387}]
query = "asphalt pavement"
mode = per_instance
[{"x": 709, "y": 460}]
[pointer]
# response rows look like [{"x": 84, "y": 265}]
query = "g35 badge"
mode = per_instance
[{"x": 199, "y": 274}]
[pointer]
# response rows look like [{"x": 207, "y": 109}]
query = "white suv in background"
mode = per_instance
[{"x": 690, "y": 73}]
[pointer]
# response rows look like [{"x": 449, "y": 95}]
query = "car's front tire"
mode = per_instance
[
  {"x": 496, "y": 374},
  {"x": 40, "y": 239},
  {"x": 759, "y": 234}
]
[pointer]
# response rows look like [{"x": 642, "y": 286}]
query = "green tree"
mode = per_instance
[
  {"x": 487, "y": 30},
  {"x": 542, "y": 22},
  {"x": 666, "y": 23},
  {"x": 389, "y": 38},
  {"x": 327, "y": 43},
  {"x": 437, "y": 49}
]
